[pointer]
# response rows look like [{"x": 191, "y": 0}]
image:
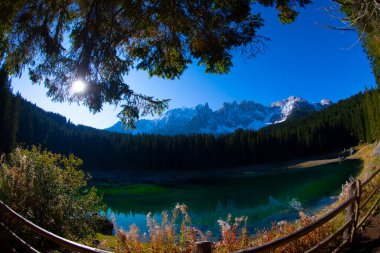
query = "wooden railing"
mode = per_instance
[
  {"x": 353, "y": 206},
  {"x": 347, "y": 231},
  {"x": 13, "y": 243}
]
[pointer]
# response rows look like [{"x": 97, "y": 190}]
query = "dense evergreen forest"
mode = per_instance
[
  {"x": 354, "y": 120},
  {"x": 9, "y": 115}
]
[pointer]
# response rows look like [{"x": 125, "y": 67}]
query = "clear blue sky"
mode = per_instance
[{"x": 302, "y": 59}]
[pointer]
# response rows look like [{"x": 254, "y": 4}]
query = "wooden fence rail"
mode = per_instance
[
  {"x": 352, "y": 205},
  {"x": 63, "y": 242}
]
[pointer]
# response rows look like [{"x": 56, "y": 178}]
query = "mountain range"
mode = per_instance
[
  {"x": 343, "y": 124},
  {"x": 231, "y": 116}
]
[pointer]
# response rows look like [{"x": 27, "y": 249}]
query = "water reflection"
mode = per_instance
[{"x": 262, "y": 198}]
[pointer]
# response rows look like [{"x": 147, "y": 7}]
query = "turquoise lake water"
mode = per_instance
[{"x": 264, "y": 198}]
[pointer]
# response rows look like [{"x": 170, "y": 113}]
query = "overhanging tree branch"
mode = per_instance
[{"x": 107, "y": 39}]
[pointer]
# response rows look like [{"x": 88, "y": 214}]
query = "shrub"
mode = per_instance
[
  {"x": 50, "y": 190},
  {"x": 167, "y": 236},
  {"x": 284, "y": 228},
  {"x": 234, "y": 234}
]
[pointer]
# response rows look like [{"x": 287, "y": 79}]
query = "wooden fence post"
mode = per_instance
[
  {"x": 203, "y": 247},
  {"x": 350, "y": 210},
  {"x": 357, "y": 208}
]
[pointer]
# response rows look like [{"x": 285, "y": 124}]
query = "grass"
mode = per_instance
[
  {"x": 175, "y": 232},
  {"x": 106, "y": 242}
]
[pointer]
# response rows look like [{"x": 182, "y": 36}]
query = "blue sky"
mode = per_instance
[{"x": 301, "y": 59}]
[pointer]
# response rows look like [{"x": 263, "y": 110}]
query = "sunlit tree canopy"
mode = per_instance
[{"x": 100, "y": 42}]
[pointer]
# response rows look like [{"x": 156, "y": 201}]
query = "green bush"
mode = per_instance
[{"x": 51, "y": 191}]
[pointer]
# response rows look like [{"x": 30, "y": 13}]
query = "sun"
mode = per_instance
[{"x": 78, "y": 86}]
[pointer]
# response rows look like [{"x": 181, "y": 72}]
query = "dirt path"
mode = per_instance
[
  {"x": 368, "y": 240},
  {"x": 313, "y": 163}
]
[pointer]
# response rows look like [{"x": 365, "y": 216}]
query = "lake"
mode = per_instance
[{"x": 262, "y": 197}]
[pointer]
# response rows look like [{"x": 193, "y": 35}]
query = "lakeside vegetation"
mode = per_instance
[
  {"x": 234, "y": 235},
  {"x": 51, "y": 191},
  {"x": 213, "y": 196}
]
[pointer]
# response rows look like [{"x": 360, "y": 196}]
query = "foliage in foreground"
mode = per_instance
[
  {"x": 166, "y": 236},
  {"x": 50, "y": 190},
  {"x": 170, "y": 236}
]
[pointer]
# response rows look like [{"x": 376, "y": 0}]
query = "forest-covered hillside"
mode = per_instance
[{"x": 348, "y": 122}]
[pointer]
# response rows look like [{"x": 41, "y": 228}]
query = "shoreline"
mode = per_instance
[
  {"x": 364, "y": 152},
  {"x": 313, "y": 163},
  {"x": 120, "y": 177}
]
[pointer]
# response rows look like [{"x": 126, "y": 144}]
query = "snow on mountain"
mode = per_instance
[
  {"x": 231, "y": 116},
  {"x": 294, "y": 107}
]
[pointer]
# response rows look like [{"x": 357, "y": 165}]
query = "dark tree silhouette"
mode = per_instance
[{"x": 9, "y": 109}]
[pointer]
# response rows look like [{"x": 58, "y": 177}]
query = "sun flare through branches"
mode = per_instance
[{"x": 78, "y": 87}]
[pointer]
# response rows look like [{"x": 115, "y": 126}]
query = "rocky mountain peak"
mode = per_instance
[{"x": 231, "y": 116}]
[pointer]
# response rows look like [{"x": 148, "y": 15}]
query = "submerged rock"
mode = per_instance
[{"x": 103, "y": 225}]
